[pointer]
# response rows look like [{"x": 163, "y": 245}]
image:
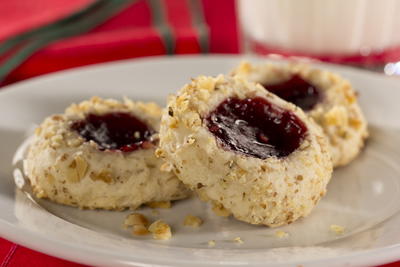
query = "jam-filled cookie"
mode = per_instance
[
  {"x": 246, "y": 150},
  {"x": 326, "y": 97},
  {"x": 100, "y": 154}
]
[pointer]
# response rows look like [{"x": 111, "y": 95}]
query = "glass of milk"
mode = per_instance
[{"x": 345, "y": 31}]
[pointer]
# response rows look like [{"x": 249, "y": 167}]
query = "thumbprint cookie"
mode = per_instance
[
  {"x": 100, "y": 154},
  {"x": 247, "y": 151},
  {"x": 326, "y": 97}
]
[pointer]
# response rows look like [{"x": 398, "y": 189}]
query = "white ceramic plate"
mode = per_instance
[{"x": 363, "y": 197}]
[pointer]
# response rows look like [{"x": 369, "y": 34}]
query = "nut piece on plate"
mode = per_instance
[
  {"x": 192, "y": 221},
  {"x": 135, "y": 219},
  {"x": 100, "y": 154},
  {"x": 160, "y": 230},
  {"x": 328, "y": 98},
  {"x": 238, "y": 240},
  {"x": 211, "y": 243},
  {"x": 281, "y": 234},
  {"x": 245, "y": 150},
  {"x": 337, "y": 229},
  {"x": 138, "y": 222},
  {"x": 139, "y": 230}
]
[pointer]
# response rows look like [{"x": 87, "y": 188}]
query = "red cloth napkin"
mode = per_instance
[
  {"x": 13, "y": 255},
  {"x": 13, "y": 14},
  {"x": 131, "y": 33}
]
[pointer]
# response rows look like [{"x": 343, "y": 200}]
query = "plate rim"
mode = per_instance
[
  {"x": 248, "y": 57},
  {"x": 68, "y": 251}
]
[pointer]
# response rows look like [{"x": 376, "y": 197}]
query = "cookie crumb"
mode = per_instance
[
  {"x": 159, "y": 204},
  {"x": 160, "y": 230},
  {"x": 211, "y": 243},
  {"x": 337, "y": 229},
  {"x": 281, "y": 234},
  {"x": 192, "y": 221},
  {"x": 139, "y": 230},
  {"x": 238, "y": 240},
  {"x": 135, "y": 219},
  {"x": 219, "y": 210}
]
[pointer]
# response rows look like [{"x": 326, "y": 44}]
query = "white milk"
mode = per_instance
[{"x": 322, "y": 26}]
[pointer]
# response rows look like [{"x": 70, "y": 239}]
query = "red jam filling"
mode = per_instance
[
  {"x": 256, "y": 127},
  {"x": 115, "y": 131},
  {"x": 297, "y": 91}
]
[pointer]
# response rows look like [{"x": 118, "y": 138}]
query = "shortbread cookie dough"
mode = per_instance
[
  {"x": 245, "y": 150},
  {"x": 100, "y": 154},
  {"x": 329, "y": 99}
]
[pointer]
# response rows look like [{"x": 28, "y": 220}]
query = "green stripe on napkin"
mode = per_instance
[
  {"x": 78, "y": 23},
  {"x": 199, "y": 23},
  {"x": 160, "y": 22}
]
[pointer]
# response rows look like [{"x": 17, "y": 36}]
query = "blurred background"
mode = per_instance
[
  {"x": 44, "y": 36},
  {"x": 358, "y": 32}
]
